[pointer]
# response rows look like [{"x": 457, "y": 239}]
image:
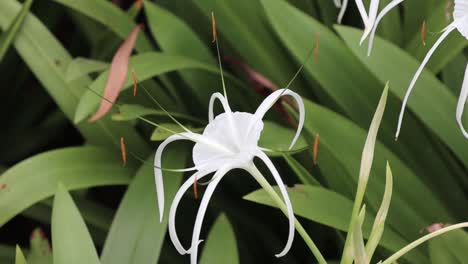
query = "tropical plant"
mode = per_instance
[{"x": 96, "y": 87}]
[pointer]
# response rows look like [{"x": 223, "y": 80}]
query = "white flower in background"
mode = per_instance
[
  {"x": 229, "y": 141},
  {"x": 367, "y": 17},
  {"x": 460, "y": 16},
  {"x": 382, "y": 13}
]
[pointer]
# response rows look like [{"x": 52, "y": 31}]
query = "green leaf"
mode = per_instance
[
  {"x": 177, "y": 38},
  {"x": 80, "y": 67},
  {"x": 454, "y": 244},
  {"x": 146, "y": 66},
  {"x": 129, "y": 112},
  {"x": 70, "y": 237},
  {"x": 413, "y": 209},
  {"x": 47, "y": 59},
  {"x": 220, "y": 246},
  {"x": 328, "y": 208},
  {"x": 241, "y": 25},
  {"x": 41, "y": 251},
  {"x": 109, "y": 15},
  {"x": 19, "y": 256},
  {"x": 36, "y": 178},
  {"x": 301, "y": 172},
  {"x": 346, "y": 85},
  {"x": 278, "y": 138},
  {"x": 136, "y": 235},
  {"x": 436, "y": 20},
  {"x": 160, "y": 134},
  {"x": 430, "y": 101},
  {"x": 9, "y": 35}
]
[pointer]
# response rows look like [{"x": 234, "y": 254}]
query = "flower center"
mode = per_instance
[{"x": 232, "y": 134}]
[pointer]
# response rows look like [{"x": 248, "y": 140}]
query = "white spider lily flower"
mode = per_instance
[
  {"x": 382, "y": 13},
  {"x": 229, "y": 141},
  {"x": 460, "y": 22},
  {"x": 368, "y": 18}
]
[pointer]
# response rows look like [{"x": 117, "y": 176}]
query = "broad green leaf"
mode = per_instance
[
  {"x": 36, "y": 178},
  {"x": 136, "y": 235},
  {"x": 175, "y": 37},
  {"x": 351, "y": 88},
  {"x": 109, "y": 15},
  {"x": 328, "y": 208},
  {"x": 454, "y": 72},
  {"x": 19, "y": 256},
  {"x": 301, "y": 172},
  {"x": 242, "y": 20},
  {"x": 345, "y": 85},
  {"x": 454, "y": 244},
  {"x": 80, "y": 67},
  {"x": 7, "y": 253},
  {"x": 70, "y": 237},
  {"x": 146, "y": 66},
  {"x": 47, "y": 59},
  {"x": 431, "y": 102},
  {"x": 9, "y": 35},
  {"x": 414, "y": 205},
  {"x": 439, "y": 253},
  {"x": 278, "y": 138},
  {"x": 436, "y": 20},
  {"x": 221, "y": 245},
  {"x": 129, "y": 112},
  {"x": 40, "y": 249}
]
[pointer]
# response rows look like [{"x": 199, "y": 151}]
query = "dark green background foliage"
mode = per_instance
[{"x": 110, "y": 213}]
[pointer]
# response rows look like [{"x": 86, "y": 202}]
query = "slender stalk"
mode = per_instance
[
  {"x": 258, "y": 176},
  {"x": 421, "y": 240}
]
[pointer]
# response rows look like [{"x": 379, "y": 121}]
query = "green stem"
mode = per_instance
[
  {"x": 258, "y": 176},
  {"x": 421, "y": 240}
]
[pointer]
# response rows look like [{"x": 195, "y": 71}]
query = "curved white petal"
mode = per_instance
[
  {"x": 461, "y": 103},
  {"x": 172, "y": 212},
  {"x": 344, "y": 5},
  {"x": 158, "y": 172},
  {"x": 227, "y": 110},
  {"x": 373, "y": 8},
  {"x": 287, "y": 201},
  {"x": 270, "y": 101},
  {"x": 382, "y": 13},
  {"x": 202, "y": 210},
  {"x": 362, "y": 12},
  {"x": 223, "y": 101},
  {"x": 418, "y": 72},
  {"x": 337, "y": 3},
  {"x": 460, "y": 14}
]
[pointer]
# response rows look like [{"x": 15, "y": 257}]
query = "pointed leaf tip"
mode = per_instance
[{"x": 117, "y": 74}]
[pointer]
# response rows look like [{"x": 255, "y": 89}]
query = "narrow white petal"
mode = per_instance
[
  {"x": 373, "y": 8},
  {"x": 362, "y": 12},
  {"x": 158, "y": 179},
  {"x": 287, "y": 201},
  {"x": 172, "y": 212},
  {"x": 344, "y": 5},
  {"x": 227, "y": 110},
  {"x": 337, "y": 3},
  {"x": 382, "y": 13},
  {"x": 270, "y": 101},
  {"x": 418, "y": 72},
  {"x": 223, "y": 101},
  {"x": 202, "y": 210},
  {"x": 461, "y": 103}
]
